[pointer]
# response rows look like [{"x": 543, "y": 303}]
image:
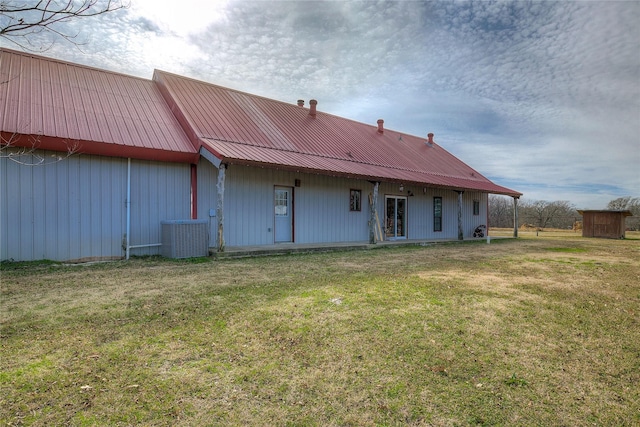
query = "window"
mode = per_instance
[
  {"x": 476, "y": 207},
  {"x": 437, "y": 214},
  {"x": 282, "y": 202},
  {"x": 355, "y": 200}
]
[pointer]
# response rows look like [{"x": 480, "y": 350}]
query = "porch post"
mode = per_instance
[
  {"x": 460, "y": 227},
  {"x": 373, "y": 215},
  {"x": 220, "y": 206},
  {"x": 515, "y": 217}
]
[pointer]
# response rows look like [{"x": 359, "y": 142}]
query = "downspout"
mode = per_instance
[
  {"x": 194, "y": 191},
  {"x": 460, "y": 227},
  {"x": 128, "y": 207}
]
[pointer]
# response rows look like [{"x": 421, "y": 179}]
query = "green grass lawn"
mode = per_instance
[{"x": 535, "y": 331}]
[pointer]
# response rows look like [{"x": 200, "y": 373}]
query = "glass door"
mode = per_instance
[{"x": 396, "y": 217}]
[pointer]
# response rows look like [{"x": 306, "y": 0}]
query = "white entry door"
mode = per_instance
[{"x": 283, "y": 214}]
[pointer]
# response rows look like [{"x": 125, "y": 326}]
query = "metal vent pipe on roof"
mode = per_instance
[
  {"x": 430, "y": 140},
  {"x": 380, "y": 126},
  {"x": 300, "y": 102},
  {"x": 312, "y": 107}
]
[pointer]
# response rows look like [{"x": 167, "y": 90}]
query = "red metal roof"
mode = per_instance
[
  {"x": 171, "y": 117},
  {"x": 246, "y": 129},
  {"x": 105, "y": 113}
]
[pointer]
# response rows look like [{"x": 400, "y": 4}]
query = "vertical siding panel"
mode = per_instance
[
  {"x": 135, "y": 206},
  {"x": 38, "y": 210},
  {"x": 4, "y": 211},
  {"x": 207, "y": 175},
  {"x": 62, "y": 211},
  {"x": 75, "y": 206},
  {"x": 12, "y": 219},
  {"x": 140, "y": 211},
  {"x": 86, "y": 183},
  {"x": 99, "y": 226},
  {"x": 52, "y": 219},
  {"x": 116, "y": 188},
  {"x": 26, "y": 210}
]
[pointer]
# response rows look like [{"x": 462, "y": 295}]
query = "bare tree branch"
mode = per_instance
[
  {"x": 27, "y": 154},
  {"x": 21, "y": 20}
]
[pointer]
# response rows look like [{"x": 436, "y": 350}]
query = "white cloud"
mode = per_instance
[{"x": 182, "y": 17}]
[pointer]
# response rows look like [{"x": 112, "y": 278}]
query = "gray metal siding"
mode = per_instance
[
  {"x": 75, "y": 209},
  {"x": 207, "y": 179},
  {"x": 324, "y": 215},
  {"x": 159, "y": 191},
  {"x": 63, "y": 210},
  {"x": 321, "y": 205}
]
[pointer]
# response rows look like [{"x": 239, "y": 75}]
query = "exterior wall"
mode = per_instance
[
  {"x": 159, "y": 191},
  {"x": 610, "y": 225},
  {"x": 321, "y": 205},
  {"x": 75, "y": 209},
  {"x": 420, "y": 211}
]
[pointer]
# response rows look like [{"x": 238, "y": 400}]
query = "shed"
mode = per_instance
[{"x": 609, "y": 224}]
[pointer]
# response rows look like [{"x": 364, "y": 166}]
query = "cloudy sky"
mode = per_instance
[{"x": 541, "y": 97}]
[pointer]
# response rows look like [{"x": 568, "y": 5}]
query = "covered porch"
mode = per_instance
[{"x": 291, "y": 248}]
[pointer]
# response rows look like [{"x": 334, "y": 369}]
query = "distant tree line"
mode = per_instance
[{"x": 562, "y": 214}]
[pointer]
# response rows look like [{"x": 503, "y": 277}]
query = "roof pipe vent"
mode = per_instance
[
  {"x": 380, "y": 126},
  {"x": 312, "y": 107},
  {"x": 430, "y": 139},
  {"x": 300, "y": 102}
]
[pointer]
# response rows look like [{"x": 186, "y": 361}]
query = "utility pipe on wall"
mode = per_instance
[
  {"x": 460, "y": 225},
  {"x": 128, "y": 205}
]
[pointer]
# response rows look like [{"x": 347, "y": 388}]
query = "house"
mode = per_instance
[
  {"x": 118, "y": 155},
  {"x": 608, "y": 224}
]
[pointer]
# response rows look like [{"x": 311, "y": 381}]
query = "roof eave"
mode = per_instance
[
  {"x": 298, "y": 169},
  {"x": 40, "y": 142}
]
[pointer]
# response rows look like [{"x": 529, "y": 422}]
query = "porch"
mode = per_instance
[{"x": 291, "y": 248}]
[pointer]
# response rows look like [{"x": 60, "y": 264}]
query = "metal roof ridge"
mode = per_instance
[
  {"x": 225, "y": 88},
  {"x": 285, "y": 103},
  {"x": 71, "y": 64}
]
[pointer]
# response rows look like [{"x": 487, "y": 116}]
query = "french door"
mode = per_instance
[{"x": 395, "y": 217}]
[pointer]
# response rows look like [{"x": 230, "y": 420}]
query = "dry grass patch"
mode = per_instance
[{"x": 538, "y": 331}]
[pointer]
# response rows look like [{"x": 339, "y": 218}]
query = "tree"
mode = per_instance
[
  {"x": 544, "y": 214},
  {"x": 624, "y": 203},
  {"x": 631, "y": 204},
  {"x": 22, "y": 20},
  {"x": 500, "y": 211}
]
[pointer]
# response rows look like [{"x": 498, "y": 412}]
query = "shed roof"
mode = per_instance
[
  {"x": 99, "y": 111},
  {"x": 623, "y": 212},
  {"x": 240, "y": 128}
]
